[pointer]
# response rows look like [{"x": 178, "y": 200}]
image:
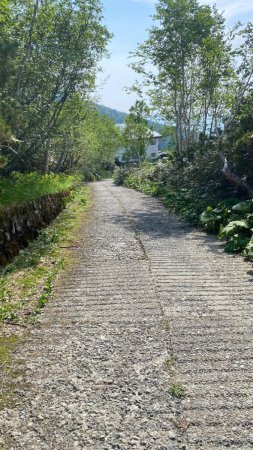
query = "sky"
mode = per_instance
[{"x": 129, "y": 21}]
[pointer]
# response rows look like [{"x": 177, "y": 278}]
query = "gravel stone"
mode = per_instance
[{"x": 144, "y": 287}]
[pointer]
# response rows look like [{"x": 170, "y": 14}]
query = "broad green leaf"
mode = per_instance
[
  {"x": 232, "y": 227},
  {"x": 246, "y": 206}
]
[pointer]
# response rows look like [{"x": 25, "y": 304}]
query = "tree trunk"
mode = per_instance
[
  {"x": 46, "y": 162},
  {"x": 59, "y": 163},
  {"x": 139, "y": 157},
  {"x": 235, "y": 179}
]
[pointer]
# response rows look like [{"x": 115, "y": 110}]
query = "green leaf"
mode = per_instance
[
  {"x": 237, "y": 244},
  {"x": 246, "y": 206},
  {"x": 232, "y": 227},
  {"x": 249, "y": 249}
]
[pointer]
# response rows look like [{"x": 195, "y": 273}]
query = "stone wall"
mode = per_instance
[{"x": 19, "y": 224}]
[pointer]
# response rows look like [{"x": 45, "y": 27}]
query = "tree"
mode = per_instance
[
  {"x": 199, "y": 83},
  {"x": 98, "y": 141},
  {"x": 84, "y": 139},
  {"x": 241, "y": 105},
  {"x": 59, "y": 45},
  {"x": 187, "y": 47},
  {"x": 4, "y": 11},
  {"x": 137, "y": 134}
]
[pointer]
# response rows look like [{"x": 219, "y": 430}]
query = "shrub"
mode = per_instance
[
  {"x": 120, "y": 175},
  {"x": 233, "y": 223},
  {"x": 213, "y": 219},
  {"x": 238, "y": 233}
]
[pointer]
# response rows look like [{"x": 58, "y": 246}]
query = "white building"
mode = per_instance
[{"x": 152, "y": 151}]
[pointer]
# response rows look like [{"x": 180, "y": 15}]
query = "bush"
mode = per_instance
[
  {"x": 238, "y": 233},
  {"x": 233, "y": 221},
  {"x": 213, "y": 219},
  {"x": 144, "y": 178},
  {"x": 120, "y": 174},
  {"x": 160, "y": 179}
]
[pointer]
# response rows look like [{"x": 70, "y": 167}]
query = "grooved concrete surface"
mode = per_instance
[{"x": 146, "y": 291}]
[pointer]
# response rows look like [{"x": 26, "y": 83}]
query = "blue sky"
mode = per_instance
[{"x": 129, "y": 20}]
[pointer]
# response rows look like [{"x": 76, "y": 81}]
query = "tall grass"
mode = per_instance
[{"x": 20, "y": 188}]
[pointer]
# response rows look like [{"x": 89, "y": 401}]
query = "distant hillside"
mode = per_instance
[
  {"x": 117, "y": 116},
  {"x": 120, "y": 117}
]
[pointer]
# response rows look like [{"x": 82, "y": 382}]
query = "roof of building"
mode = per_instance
[
  {"x": 123, "y": 125},
  {"x": 156, "y": 135}
]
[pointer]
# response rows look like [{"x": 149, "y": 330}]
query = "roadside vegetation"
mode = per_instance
[
  {"x": 202, "y": 88},
  {"x": 25, "y": 283},
  {"x": 220, "y": 212},
  {"x": 19, "y": 188},
  {"x": 50, "y": 127},
  {"x": 50, "y": 131}
]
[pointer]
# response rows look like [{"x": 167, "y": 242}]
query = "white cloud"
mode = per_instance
[{"x": 233, "y": 9}]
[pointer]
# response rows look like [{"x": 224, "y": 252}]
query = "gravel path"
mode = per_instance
[{"x": 150, "y": 304}]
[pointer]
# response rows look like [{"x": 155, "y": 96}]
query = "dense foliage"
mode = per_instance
[
  {"x": 49, "y": 59},
  {"x": 200, "y": 80},
  {"x": 24, "y": 187}
]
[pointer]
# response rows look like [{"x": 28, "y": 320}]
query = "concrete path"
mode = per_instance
[{"x": 151, "y": 305}]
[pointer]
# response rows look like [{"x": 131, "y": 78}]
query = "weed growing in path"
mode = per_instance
[
  {"x": 177, "y": 390},
  {"x": 170, "y": 363}
]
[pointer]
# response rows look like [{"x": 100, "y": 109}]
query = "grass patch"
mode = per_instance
[
  {"x": 177, "y": 390},
  {"x": 26, "y": 283},
  {"x": 20, "y": 188},
  {"x": 7, "y": 344},
  {"x": 8, "y": 375}
]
